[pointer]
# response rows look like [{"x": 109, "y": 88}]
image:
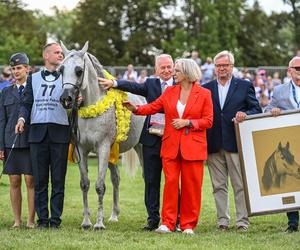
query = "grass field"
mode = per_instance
[{"x": 266, "y": 232}]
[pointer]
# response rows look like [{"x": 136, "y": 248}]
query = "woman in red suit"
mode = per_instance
[{"x": 188, "y": 113}]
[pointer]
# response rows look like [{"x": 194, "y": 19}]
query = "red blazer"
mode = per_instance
[{"x": 190, "y": 141}]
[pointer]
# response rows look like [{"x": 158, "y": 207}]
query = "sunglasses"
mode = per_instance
[{"x": 296, "y": 68}]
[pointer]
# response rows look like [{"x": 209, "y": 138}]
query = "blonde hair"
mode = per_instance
[
  {"x": 190, "y": 69},
  {"x": 223, "y": 54}
]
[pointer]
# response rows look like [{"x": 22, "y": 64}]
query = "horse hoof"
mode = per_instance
[
  {"x": 86, "y": 227},
  {"x": 113, "y": 219},
  {"x": 99, "y": 227}
]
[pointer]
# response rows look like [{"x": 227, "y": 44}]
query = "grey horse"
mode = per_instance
[{"x": 79, "y": 73}]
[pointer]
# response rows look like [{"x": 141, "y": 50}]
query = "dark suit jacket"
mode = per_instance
[
  {"x": 240, "y": 97},
  {"x": 151, "y": 90},
  {"x": 57, "y": 133},
  {"x": 9, "y": 112}
]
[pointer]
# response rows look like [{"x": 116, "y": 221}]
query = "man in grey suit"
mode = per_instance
[{"x": 287, "y": 97}]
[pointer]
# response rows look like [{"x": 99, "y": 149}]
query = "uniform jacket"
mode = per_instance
[
  {"x": 10, "y": 103},
  {"x": 151, "y": 90},
  {"x": 190, "y": 141},
  {"x": 240, "y": 97}
]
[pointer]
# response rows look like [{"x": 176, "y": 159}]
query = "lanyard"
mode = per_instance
[{"x": 294, "y": 94}]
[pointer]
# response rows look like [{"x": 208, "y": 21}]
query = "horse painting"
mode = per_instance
[
  {"x": 97, "y": 134},
  {"x": 279, "y": 165}
]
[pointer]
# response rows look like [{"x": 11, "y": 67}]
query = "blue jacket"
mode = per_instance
[
  {"x": 240, "y": 97},
  {"x": 10, "y": 102}
]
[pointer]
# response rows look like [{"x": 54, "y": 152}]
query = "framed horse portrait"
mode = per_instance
[{"x": 269, "y": 151}]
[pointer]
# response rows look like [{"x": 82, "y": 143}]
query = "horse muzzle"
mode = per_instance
[{"x": 66, "y": 101}]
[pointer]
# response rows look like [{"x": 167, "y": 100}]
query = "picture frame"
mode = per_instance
[{"x": 269, "y": 151}]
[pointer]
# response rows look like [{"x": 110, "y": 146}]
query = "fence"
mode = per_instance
[{"x": 119, "y": 70}]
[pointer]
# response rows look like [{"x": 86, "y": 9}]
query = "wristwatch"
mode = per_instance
[{"x": 190, "y": 124}]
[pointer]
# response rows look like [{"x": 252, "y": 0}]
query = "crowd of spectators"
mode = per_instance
[{"x": 263, "y": 82}]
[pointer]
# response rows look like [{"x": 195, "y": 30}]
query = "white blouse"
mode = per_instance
[{"x": 180, "y": 108}]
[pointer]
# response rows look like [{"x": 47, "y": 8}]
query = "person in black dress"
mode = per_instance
[{"x": 18, "y": 163}]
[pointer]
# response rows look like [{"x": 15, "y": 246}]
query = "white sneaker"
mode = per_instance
[
  {"x": 188, "y": 231},
  {"x": 163, "y": 229}
]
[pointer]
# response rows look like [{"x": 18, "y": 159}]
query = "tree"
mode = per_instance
[
  {"x": 295, "y": 4},
  {"x": 19, "y": 32}
]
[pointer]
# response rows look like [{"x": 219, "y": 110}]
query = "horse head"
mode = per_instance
[
  {"x": 285, "y": 162},
  {"x": 78, "y": 75}
]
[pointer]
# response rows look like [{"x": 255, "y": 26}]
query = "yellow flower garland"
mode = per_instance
[{"x": 113, "y": 97}]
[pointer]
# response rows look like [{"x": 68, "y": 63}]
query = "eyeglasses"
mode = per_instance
[
  {"x": 223, "y": 65},
  {"x": 296, "y": 68}
]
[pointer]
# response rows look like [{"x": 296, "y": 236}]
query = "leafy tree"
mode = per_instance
[
  {"x": 19, "y": 32},
  {"x": 295, "y": 4}
]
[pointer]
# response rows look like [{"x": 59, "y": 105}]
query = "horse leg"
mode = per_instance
[
  {"x": 85, "y": 185},
  {"x": 115, "y": 180},
  {"x": 139, "y": 150},
  {"x": 103, "y": 154}
]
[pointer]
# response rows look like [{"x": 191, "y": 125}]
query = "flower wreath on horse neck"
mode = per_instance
[{"x": 113, "y": 97}]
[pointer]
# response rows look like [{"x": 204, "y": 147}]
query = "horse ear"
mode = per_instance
[
  {"x": 279, "y": 145},
  {"x": 64, "y": 48},
  {"x": 287, "y": 145},
  {"x": 85, "y": 48}
]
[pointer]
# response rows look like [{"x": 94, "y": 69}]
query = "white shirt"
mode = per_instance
[
  {"x": 180, "y": 108},
  {"x": 18, "y": 84},
  {"x": 223, "y": 91}
]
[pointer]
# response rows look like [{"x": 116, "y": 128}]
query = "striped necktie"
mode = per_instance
[{"x": 20, "y": 90}]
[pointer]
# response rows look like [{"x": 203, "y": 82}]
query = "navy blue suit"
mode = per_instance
[
  {"x": 151, "y": 90},
  {"x": 49, "y": 152},
  {"x": 9, "y": 110},
  {"x": 240, "y": 97}
]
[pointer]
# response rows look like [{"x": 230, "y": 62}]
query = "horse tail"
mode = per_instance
[
  {"x": 130, "y": 162},
  {"x": 267, "y": 177}
]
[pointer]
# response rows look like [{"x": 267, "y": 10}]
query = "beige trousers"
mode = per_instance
[{"x": 221, "y": 165}]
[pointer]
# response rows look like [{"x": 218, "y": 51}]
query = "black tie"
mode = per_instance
[
  {"x": 54, "y": 73},
  {"x": 20, "y": 90}
]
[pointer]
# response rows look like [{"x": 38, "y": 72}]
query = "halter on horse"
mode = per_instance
[{"x": 97, "y": 134}]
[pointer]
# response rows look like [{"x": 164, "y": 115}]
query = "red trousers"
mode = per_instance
[{"x": 191, "y": 173}]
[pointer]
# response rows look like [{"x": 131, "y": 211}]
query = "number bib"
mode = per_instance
[{"x": 46, "y": 106}]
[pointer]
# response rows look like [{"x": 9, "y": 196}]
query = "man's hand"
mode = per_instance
[
  {"x": 180, "y": 123},
  {"x": 79, "y": 100},
  {"x": 2, "y": 155},
  {"x": 275, "y": 111},
  {"x": 130, "y": 106},
  {"x": 240, "y": 116},
  {"x": 19, "y": 127},
  {"x": 105, "y": 83}
]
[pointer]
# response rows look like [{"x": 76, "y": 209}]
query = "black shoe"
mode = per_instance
[
  {"x": 42, "y": 226},
  {"x": 54, "y": 226},
  {"x": 150, "y": 226},
  {"x": 223, "y": 227},
  {"x": 291, "y": 229}
]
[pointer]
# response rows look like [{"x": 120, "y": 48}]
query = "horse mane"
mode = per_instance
[{"x": 270, "y": 170}]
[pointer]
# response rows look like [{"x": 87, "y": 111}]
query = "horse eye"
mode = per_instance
[
  {"x": 78, "y": 71},
  {"x": 61, "y": 69}
]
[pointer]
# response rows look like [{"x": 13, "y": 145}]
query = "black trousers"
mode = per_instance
[
  {"x": 152, "y": 178},
  {"x": 49, "y": 158}
]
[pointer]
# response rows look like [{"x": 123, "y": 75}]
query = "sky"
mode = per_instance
[{"x": 45, "y": 5}]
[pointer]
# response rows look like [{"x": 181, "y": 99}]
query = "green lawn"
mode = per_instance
[{"x": 266, "y": 232}]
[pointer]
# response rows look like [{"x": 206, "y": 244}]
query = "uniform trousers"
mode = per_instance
[
  {"x": 221, "y": 165},
  {"x": 191, "y": 173},
  {"x": 48, "y": 156}
]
